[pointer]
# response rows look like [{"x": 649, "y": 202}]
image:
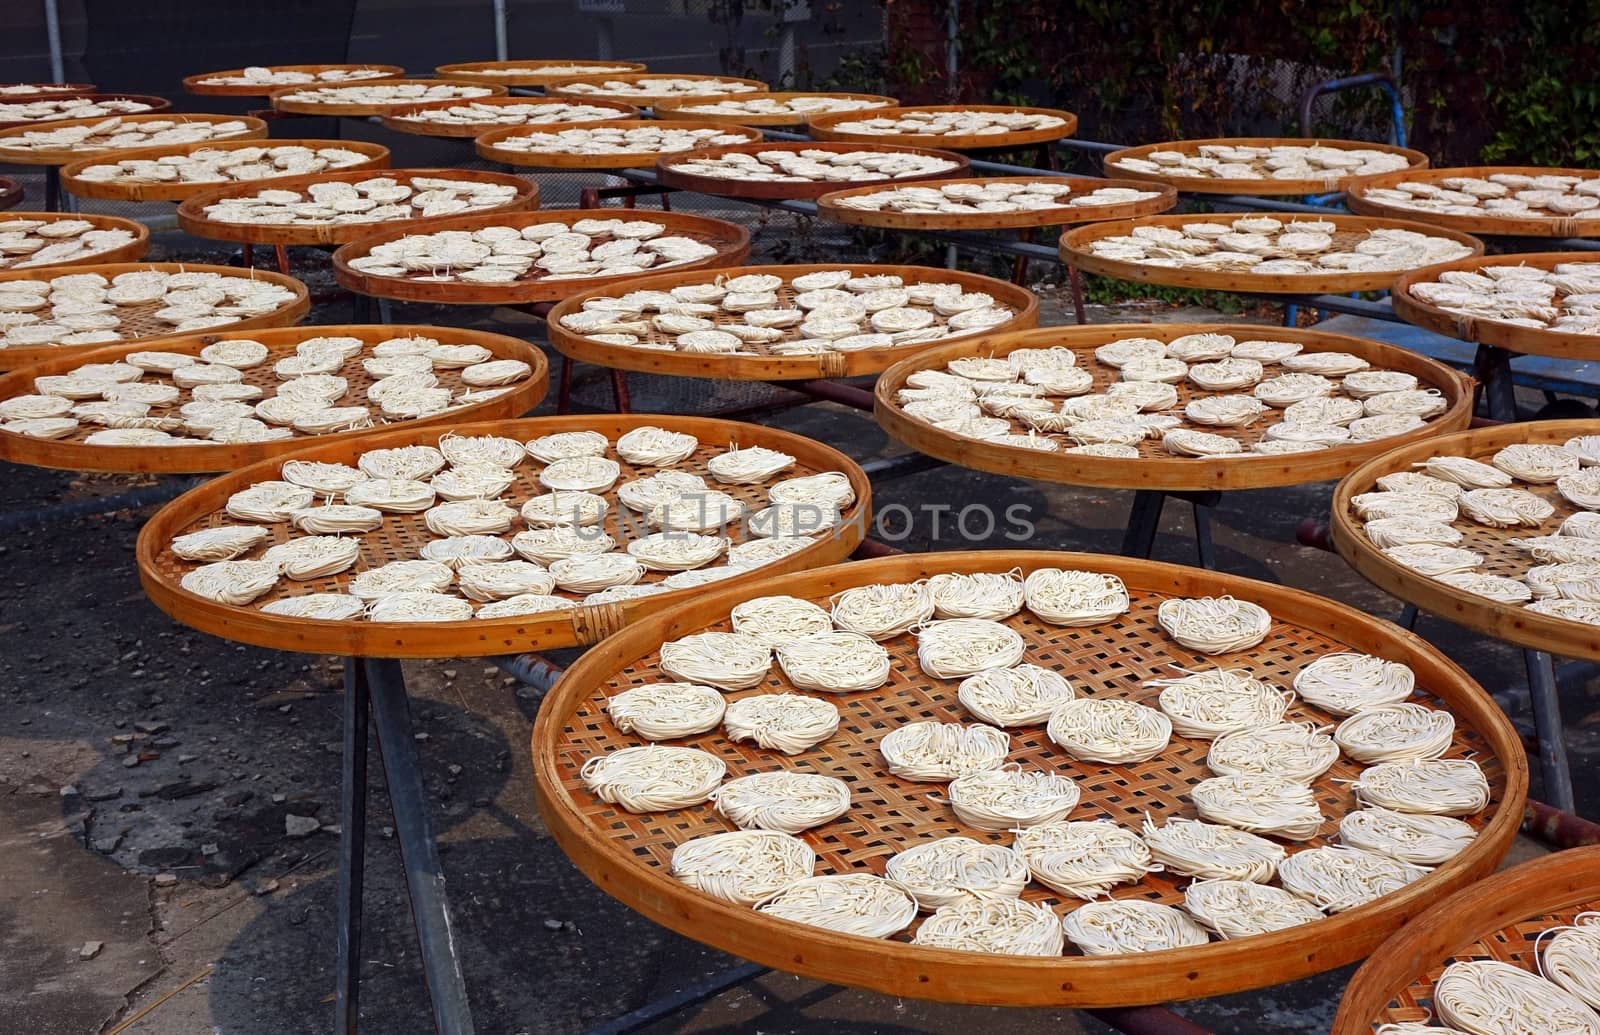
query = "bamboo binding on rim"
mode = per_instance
[
  {"x": 731, "y": 240},
  {"x": 1075, "y": 252},
  {"x": 1156, "y": 468},
  {"x": 1498, "y": 918},
  {"x": 377, "y": 158},
  {"x": 825, "y": 127},
  {"x": 73, "y": 455},
  {"x": 627, "y": 854},
  {"x": 193, "y": 219},
  {"x": 1508, "y": 622},
  {"x": 142, "y": 327},
  {"x": 763, "y": 365},
  {"x": 160, "y": 570}
]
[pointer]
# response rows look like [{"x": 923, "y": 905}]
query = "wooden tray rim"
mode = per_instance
[
  {"x": 1260, "y": 187},
  {"x": 775, "y": 368},
  {"x": 581, "y": 626},
  {"x": 487, "y": 144},
  {"x": 674, "y": 108},
  {"x": 192, "y": 83},
  {"x": 279, "y": 97},
  {"x": 1530, "y": 340},
  {"x": 396, "y": 121},
  {"x": 559, "y": 87},
  {"x": 732, "y": 188},
  {"x": 378, "y": 158},
  {"x": 1185, "y": 474},
  {"x": 474, "y": 70},
  {"x": 134, "y": 249},
  {"x": 897, "y": 968},
  {"x": 829, "y": 207},
  {"x": 1507, "y": 622},
  {"x": 157, "y": 105},
  {"x": 255, "y": 129},
  {"x": 1487, "y": 224},
  {"x": 822, "y": 128}
]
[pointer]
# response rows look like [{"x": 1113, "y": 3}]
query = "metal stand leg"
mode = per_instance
[
  {"x": 1019, "y": 266},
  {"x": 52, "y": 188},
  {"x": 384, "y": 315},
  {"x": 247, "y": 256},
  {"x": 282, "y": 255},
  {"x": 1492, "y": 367},
  {"x": 352, "y": 849},
  {"x": 1076, "y": 280},
  {"x": 564, "y": 392},
  {"x": 1547, "y": 722},
  {"x": 1205, "y": 551},
  {"x": 363, "y": 308},
  {"x": 619, "y": 391},
  {"x": 1408, "y": 617},
  {"x": 391, "y": 715},
  {"x": 1143, "y": 522}
]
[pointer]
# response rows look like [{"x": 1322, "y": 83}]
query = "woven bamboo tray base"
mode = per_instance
[
  {"x": 762, "y": 363},
  {"x": 780, "y": 190},
  {"x": 71, "y": 453},
  {"x": 194, "y": 84},
  {"x": 377, "y": 158},
  {"x": 1532, "y": 341},
  {"x": 128, "y": 252},
  {"x": 1156, "y": 468},
  {"x": 628, "y": 855},
  {"x": 1350, "y": 230},
  {"x": 489, "y": 144},
  {"x": 501, "y": 71},
  {"x": 1485, "y": 225},
  {"x": 1499, "y": 918},
  {"x": 156, "y": 104},
  {"x": 825, "y": 127},
  {"x": 830, "y": 206},
  {"x": 403, "y": 535},
  {"x": 731, "y": 241},
  {"x": 674, "y": 109},
  {"x": 396, "y": 121},
  {"x": 139, "y": 324},
  {"x": 1264, "y": 185},
  {"x": 1508, "y": 622},
  {"x": 255, "y": 129},
  {"x": 193, "y": 219}
]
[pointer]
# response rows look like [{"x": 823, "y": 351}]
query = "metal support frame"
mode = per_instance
[
  {"x": 1491, "y": 366},
  {"x": 1547, "y": 724},
  {"x": 379, "y": 685},
  {"x": 1144, "y": 521},
  {"x": 1382, "y": 80},
  {"x": 52, "y": 29}
]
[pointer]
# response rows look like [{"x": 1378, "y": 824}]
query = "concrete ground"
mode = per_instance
[{"x": 150, "y": 777}]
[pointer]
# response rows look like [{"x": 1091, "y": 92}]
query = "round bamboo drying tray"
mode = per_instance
[
  {"x": 1263, "y": 186},
  {"x": 829, "y": 207},
  {"x": 1498, "y": 918},
  {"x": 156, "y": 104},
  {"x": 1156, "y": 468},
  {"x": 488, "y": 144},
  {"x": 1075, "y": 252},
  {"x": 675, "y": 109},
  {"x": 1486, "y": 224},
  {"x": 1507, "y": 622},
  {"x": 139, "y": 325},
  {"x": 1531, "y": 340},
  {"x": 43, "y": 89},
  {"x": 501, "y": 71},
  {"x": 127, "y": 253},
  {"x": 377, "y": 158},
  {"x": 402, "y": 534},
  {"x": 255, "y": 129},
  {"x": 627, "y": 854},
  {"x": 196, "y": 84},
  {"x": 281, "y": 97},
  {"x": 397, "y": 121},
  {"x": 732, "y": 187},
  {"x": 563, "y": 87},
  {"x": 72, "y": 454},
  {"x": 826, "y": 127},
  {"x": 731, "y": 240},
  {"x": 192, "y": 217},
  {"x": 763, "y": 365},
  {"x": 11, "y": 193}
]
